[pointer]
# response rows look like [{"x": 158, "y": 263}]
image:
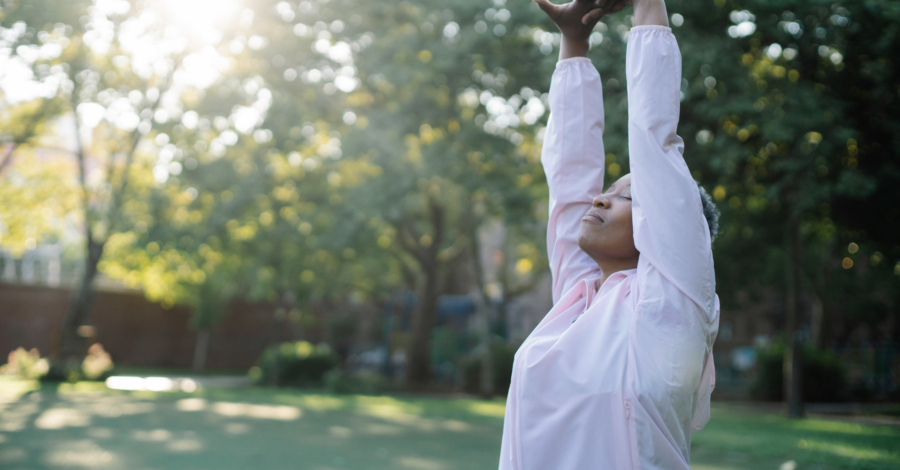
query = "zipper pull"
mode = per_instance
[{"x": 627, "y": 410}]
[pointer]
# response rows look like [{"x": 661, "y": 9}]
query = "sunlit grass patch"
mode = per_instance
[
  {"x": 493, "y": 409},
  {"x": 853, "y": 452},
  {"x": 820, "y": 425},
  {"x": 12, "y": 388},
  {"x": 386, "y": 407},
  {"x": 65, "y": 388},
  {"x": 323, "y": 402}
]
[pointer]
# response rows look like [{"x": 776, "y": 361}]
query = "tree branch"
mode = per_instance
[
  {"x": 118, "y": 193},
  {"x": 408, "y": 241},
  {"x": 7, "y": 159},
  {"x": 79, "y": 156}
]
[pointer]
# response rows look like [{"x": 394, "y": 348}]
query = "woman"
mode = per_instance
[{"x": 618, "y": 374}]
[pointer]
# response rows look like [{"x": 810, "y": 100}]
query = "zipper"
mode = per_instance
[{"x": 629, "y": 450}]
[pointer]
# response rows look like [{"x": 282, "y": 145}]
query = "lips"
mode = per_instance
[{"x": 592, "y": 216}]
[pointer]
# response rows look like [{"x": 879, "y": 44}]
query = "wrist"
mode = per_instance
[
  {"x": 573, "y": 47},
  {"x": 650, "y": 12}
]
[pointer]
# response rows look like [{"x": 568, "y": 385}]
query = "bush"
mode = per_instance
[
  {"x": 823, "y": 379},
  {"x": 97, "y": 364},
  {"x": 297, "y": 364},
  {"x": 27, "y": 365},
  {"x": 504, "y": 354}
]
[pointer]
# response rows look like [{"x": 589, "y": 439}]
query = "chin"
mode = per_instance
[
  {"x": 589, "y": 236},
  {"x": 588, "y": 244}
]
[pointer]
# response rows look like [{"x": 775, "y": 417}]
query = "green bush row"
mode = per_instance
[
  {"x": 298, "y": 364},
  {"x": 824, "y": 378},
  {"x": 504, "y": 353}
]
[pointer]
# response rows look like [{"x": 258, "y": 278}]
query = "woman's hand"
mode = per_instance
[
  {"x": 576, "y": 20},
  {"x": 604, "y": 7}
]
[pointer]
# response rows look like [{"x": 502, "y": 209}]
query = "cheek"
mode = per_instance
[{"x": 622, "y": 219}]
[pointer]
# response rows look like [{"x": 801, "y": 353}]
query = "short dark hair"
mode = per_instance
[{"x": 710, "y": 211}]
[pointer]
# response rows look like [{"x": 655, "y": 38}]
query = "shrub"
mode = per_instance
[
  {"x": 26, "y": 365},
  {"x": 823, "y": 375},
  {"x": 297, "y": 364},
  {"x": 97, "y": 364},
  {"x": 504, "y": 354},
  {"x": 29, "y": 365}
]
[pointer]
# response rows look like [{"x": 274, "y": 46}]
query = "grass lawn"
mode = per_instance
[{"x": 87, "y": 426}]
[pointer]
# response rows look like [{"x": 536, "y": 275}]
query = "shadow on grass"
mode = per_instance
[
  {"x": 48, "y": 426},
  {"x": 84, "y": 424}
]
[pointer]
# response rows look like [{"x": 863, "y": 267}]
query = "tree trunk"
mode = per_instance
[
  {"x": 487, "y": 357},
  {"x": 73, "y": 346},
  {"x": 387, "y": 332},
  {"x": 485, "y": 306},
  {"x": 418, "y": 369},
  {"x": 201, "y": 350},
  {"x": 826, "y": 333},
  {"x": 793, "y": 356},
  {"x": 419, "y": 365}
]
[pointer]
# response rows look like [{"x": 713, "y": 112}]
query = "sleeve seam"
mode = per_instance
[
  {"x": 651, "y": 27},
  {"x": 573, "y": 60}
]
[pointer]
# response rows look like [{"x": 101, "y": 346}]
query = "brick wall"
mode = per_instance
[{"x": 137, "y": 332}]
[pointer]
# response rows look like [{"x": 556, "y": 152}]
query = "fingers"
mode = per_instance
[
  {"x": 549, "y": 8},
  {"x": 593, "y": 15},
  {"x": 604, "y": 7},
  {"x": 619, "y": 5}
]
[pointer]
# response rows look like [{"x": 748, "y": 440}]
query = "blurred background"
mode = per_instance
[{"x": 311, "y": 234}]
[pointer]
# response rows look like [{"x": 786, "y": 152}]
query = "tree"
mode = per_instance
[
  {"x": 115, "y": 87},
  {"x": 773, "y": 111},
  {"x": 349, "y": 149}
]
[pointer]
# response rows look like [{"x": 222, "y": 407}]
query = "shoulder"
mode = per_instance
[
  {"x": 697, "y": 285},
  {"x": 661, "y": 299}
]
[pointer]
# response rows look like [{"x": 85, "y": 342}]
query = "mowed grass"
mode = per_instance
[
  {"x": 757, "y": 437},
  {"x": 88, "y": 426}
]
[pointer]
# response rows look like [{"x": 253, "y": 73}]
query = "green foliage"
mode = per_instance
[
  {"x": 823, "y": 380},
  {"x": 793, "y": 118},
  {"x": 297, "y": 364},
  {"x": 382, "y": 135}
]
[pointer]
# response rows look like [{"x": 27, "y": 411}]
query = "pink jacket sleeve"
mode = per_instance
[
  {"x": 669, "y": 227},
  {"x": 670, "y": 230},
  {"x": 573, "y": 159}
]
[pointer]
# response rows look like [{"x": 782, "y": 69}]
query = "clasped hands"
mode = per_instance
[{"x": 576, "y": 19}]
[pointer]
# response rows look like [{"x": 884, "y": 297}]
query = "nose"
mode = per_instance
[{"x": 601, "y": 201}]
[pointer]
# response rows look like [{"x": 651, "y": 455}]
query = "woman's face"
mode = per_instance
[{"x": 606, "y": 232}]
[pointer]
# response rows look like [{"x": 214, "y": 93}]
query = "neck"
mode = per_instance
[{"x": 610, "y": 266}]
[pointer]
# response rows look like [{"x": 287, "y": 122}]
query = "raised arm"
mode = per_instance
[
  {"x": 573, "y": 153},
  {"x": 573, "y": 161},
  {"x": 670, "y": 230}
]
